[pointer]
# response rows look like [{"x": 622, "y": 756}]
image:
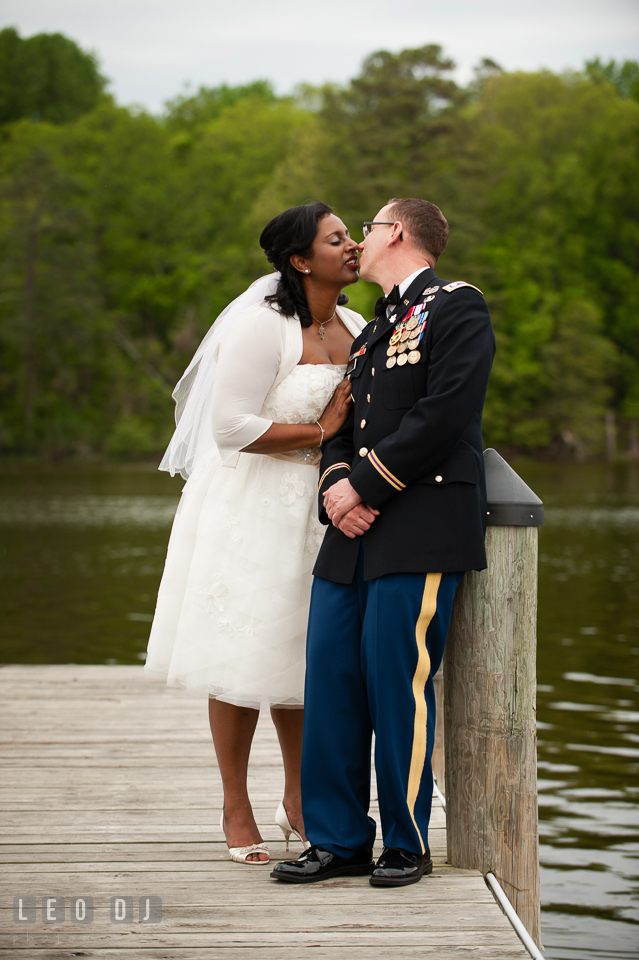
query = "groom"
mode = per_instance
[{"x": 403, "y": 486}]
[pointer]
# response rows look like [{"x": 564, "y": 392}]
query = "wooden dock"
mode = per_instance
[{"x": 110, "y": 789}]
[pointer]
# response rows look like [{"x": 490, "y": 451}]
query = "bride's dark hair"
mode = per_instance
[{"x": 293, "y": 231}]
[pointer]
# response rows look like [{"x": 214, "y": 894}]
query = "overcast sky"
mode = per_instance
[{"x": 150, "y": 48}]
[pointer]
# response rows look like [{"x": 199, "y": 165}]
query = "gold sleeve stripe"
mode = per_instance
[
  {"x": 336, "y": 466},
  {"x": 387, "y": 475}
]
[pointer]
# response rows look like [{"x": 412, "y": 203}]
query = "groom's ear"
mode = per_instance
[{"x": 397, "y": 233}]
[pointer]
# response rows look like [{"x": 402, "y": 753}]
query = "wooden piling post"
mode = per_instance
[{"x": 490, "y": 701}]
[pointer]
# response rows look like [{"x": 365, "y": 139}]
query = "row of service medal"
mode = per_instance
[{"x": 406, "y": 337}]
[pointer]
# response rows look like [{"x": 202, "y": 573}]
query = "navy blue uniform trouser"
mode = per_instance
[{"x": 372, "y": 650}]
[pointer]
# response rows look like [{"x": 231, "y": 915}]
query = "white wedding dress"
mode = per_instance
[{"x": 232, "y": 609}]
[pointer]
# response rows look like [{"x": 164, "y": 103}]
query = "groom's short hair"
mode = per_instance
[{"x": 424, "y": 222}]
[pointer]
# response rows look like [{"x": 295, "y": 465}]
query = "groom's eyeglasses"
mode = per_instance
[{"x": 369, "y": 224}]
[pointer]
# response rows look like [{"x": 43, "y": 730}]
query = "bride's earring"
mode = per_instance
[{"x": 307, "y": 271}]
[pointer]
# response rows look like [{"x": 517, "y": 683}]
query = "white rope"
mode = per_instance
[
  {"x": 507, "y": 906},
  {"x": 509, "y": 910},
  {"x": 440, "y": 796}
]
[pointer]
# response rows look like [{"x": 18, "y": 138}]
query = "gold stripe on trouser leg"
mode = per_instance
[{"x": 418, "y": 756}]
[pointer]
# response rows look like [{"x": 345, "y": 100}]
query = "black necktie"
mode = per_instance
[{"x": 391, "y": 300}]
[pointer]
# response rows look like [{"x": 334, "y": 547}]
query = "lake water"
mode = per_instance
[{"x": 81, "y": 555}]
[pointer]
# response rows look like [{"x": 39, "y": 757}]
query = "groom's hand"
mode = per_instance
[
  {"x": 339, "y": 499},
  {"x": 357, "y": 521}
]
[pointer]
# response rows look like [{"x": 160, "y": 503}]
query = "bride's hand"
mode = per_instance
[{"x": 337, "y": 410}]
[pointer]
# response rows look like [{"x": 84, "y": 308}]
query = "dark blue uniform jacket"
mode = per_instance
[{"x": 412, "y": 444}]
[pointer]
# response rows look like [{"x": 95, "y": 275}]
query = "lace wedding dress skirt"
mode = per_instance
[{"x": 230, "y": 620}]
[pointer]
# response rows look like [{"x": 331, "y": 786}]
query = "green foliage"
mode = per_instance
[
  {"x": 538, "y": 175},
  {"x": 123, "y": 235},
  {"x": 578, "y": 363},
  {"x": 46, "y": 77},
  {"x": 624, "y": 76},
  {"x": 117, "y": 250},
  {"x": 387, "y": 128},
  {"x": 50, "y": 327},
  {"x": 131, "y": 437},
  {"x": 561, "y": 211},
  {"x": 190, "y": 111}
]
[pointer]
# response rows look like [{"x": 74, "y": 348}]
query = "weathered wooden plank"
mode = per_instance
[
  {"x": 287, "y": 922},
  {"x": 182, "y": 872},
  {"x": 181, "y": 818},
  {"x": 106, "y": 843},
  {"x": 89, "y": 749},
  {"x": 186, "y": 886},
  {"x": 27, "y": 856},
  {"x": 187, "y": 900},
  {"x": 415, "y": 946},
  {"x": 27, "y": 821},
  {"x": 319, "y": 952},
  {"x": 20, "y": 866}
]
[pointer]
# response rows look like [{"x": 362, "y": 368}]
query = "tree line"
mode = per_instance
[{"x": 124, "y": 234}]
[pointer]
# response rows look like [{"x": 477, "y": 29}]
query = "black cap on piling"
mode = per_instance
[{"x": 511, "y": 502}]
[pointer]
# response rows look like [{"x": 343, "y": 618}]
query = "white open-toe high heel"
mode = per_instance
[
  {"x": 281, "y": 819},
  {"x": 240, "y": 854}
]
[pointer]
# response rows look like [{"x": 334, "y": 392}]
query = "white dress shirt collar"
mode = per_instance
[{"x": 405, "y": 284}]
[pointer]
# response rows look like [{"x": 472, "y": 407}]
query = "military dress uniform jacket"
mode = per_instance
[{"x": 412, "y": 444}]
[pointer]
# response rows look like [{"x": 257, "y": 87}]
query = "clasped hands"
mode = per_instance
[{"x": 347, "y": 511}]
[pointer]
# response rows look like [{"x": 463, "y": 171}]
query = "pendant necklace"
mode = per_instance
[{"x": 321, "y": 331}]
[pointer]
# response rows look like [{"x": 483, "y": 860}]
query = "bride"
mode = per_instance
[{"x": 265, "y": 388}]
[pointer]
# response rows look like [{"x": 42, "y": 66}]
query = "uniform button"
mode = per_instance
[
  {"x": 363, "y": 424},
  {"x": 368, "y": 397},
  {"x": 363, "y": 451},
  {"x": 373, "y": 372},
  {"x": 438, "y": 479}
]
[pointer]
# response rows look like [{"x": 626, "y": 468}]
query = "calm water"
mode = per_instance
[{"x": 82, "y": 552}]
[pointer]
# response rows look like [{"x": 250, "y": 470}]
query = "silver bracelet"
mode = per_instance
[{"x": 322, "y": 429}]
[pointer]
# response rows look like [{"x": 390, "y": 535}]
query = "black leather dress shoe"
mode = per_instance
[
  {"x": 398, "y": 868},
  {"x": 317, "y": 864}
]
